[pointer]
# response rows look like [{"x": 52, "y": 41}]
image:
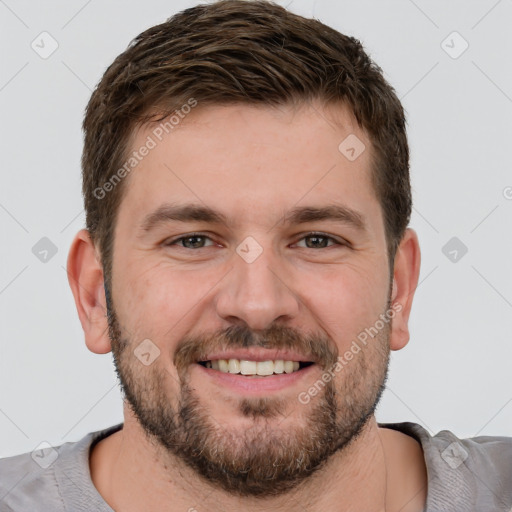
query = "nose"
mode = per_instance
[{"x": 256, "y": 294}]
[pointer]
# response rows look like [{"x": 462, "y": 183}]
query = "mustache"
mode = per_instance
[{"x": 316, "y": 347}]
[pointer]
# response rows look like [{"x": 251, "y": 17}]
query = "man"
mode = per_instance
[{"x": 247, "y": 261}]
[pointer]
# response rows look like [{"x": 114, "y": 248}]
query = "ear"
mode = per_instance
[
  {"x": 405, "y": 281},
  {"x": 85, "y": 277}
]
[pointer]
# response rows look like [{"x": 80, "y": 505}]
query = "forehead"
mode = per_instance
[{"x": 254, "y": 161}]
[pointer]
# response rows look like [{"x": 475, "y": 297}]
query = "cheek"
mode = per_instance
[
  {"x": 148, "y": 299},
  {"x": 344, "y": 300},
  {"x": 159, "y": 301}
]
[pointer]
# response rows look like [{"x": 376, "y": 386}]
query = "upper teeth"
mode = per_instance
[{"x": 246, "y": 367}]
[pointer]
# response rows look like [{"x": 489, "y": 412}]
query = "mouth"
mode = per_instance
[
  {"x": 256, "y": 371},
  {"x": 252, "y": 368}
]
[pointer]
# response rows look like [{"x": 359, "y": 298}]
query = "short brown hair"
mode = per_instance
[{"x": 240, "y": 51}]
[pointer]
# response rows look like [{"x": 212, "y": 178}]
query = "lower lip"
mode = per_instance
[{"x": 255, "y": 385}]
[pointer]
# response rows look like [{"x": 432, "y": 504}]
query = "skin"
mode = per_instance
[{"x": 254, "y": 165}]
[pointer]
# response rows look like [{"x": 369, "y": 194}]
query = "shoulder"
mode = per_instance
[
  {"x": 482, "y": 452},
  {"x": 51, "y": 477},
  {"x": 464, "y": 474},
  {"x": 28, "y": 480}
]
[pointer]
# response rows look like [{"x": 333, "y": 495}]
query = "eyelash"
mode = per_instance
[{"x": 308, "y": 235}]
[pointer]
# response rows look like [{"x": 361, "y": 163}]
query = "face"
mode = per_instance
[{"x": 250, "y": 254}]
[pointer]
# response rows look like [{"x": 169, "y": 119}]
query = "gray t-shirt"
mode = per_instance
[{"x": 464, "y": 475}]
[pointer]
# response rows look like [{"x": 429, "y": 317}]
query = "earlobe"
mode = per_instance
[
  {"x": 85, "y": 277},
  {"x": 405, "y": 281}
]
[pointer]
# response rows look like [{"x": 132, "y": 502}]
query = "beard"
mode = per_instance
[{"x": 276, "y": 453}]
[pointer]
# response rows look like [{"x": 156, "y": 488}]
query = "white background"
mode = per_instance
[{"x": 455, "y": 372}]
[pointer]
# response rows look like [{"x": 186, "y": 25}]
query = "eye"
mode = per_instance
[
  {"x": 200, "y": 241},
  {"x": 318, "y": 241},
  {"x": 192, "y": 241}
]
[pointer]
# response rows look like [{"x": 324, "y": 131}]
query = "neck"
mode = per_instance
[{"x": 133, "y": 473}]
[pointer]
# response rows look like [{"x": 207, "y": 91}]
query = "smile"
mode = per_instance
[{"x": 255, "y": 368}]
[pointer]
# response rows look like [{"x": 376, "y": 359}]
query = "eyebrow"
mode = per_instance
[
  {"x": 335, "y": 212},
  {"x": 298, "y": 215},
  {"x": 182, "y": 213}
]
